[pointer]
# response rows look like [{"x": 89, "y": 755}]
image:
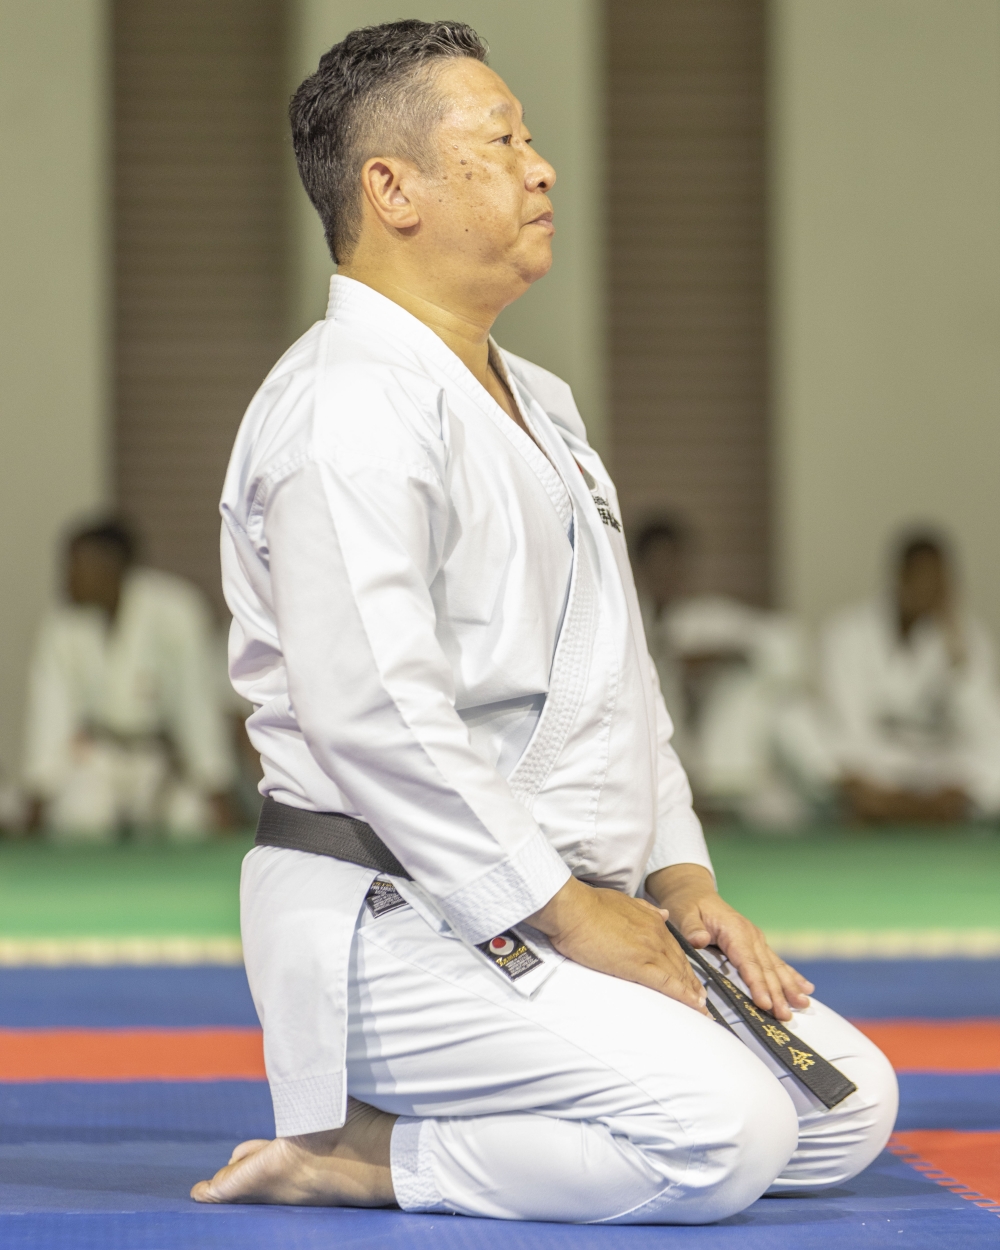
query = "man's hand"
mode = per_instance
[
  {"x": 622, "y": 936},
  {"x": 706, "y": 920}
]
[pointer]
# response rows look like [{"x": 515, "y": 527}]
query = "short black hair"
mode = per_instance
[
  {"x": 113, "y": 533},
  {"x": 371, "y": 96},
  {"x": 663, "y": 529},
  {"x": 922, "y": 542}
]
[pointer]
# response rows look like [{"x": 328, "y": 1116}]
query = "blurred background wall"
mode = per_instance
[
  {"x": 885, "y": 208},
  {"x": 55, "y": 276},
  {"x": 199, "y": 256},
  {"x": 775, "y": 289},
  {"x": 687, "y": 278}
]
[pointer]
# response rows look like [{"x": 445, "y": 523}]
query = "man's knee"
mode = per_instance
[
  {"x": 874, "y": 1116},
  {"x": 835, "y": 1145},
  {"x": 744, "y": 1137}
]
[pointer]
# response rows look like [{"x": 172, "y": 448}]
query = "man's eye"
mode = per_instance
[{"x": 508, "y": 139}]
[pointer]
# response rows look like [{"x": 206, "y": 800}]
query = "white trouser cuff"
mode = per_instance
[
  {"x": 412, "y": 1176},
  {"x": 313, "y": 1104}
]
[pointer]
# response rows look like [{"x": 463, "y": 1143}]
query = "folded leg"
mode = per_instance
[
  {"x": 596, "y": 1100},
  {"x": 835, "y": 1143}
]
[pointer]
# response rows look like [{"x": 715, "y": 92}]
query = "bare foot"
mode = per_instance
[{"x": 346, "y": 1167}]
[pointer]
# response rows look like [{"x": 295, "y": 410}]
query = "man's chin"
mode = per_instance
[{"x": 536, "y": 264}]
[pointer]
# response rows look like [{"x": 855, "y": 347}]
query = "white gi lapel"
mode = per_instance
[{"x": 568, "y": 679}]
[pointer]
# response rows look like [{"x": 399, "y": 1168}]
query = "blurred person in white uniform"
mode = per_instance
[
  {"x": 125, "y": 721},
  {"x": 734, "y": 679},
  {"x": 911, "y": 686},
  {"x": 466, "y": 758}
]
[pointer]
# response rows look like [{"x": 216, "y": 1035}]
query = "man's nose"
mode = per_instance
[{"x": 540, "y": 175}]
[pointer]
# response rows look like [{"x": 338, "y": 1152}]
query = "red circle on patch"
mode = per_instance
[{"x": 501, "y": 946}]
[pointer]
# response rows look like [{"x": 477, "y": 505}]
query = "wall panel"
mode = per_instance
[
  {"x": 54, "y": 402},
  {"x": 886, "y": 125},
  {"x": 199, "y": 255},
  {"x": 687, "y": 276}
]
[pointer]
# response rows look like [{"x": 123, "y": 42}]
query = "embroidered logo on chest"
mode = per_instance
[
  {"x": 605, "y": 513},
  {"x": 603, "y": 507}
]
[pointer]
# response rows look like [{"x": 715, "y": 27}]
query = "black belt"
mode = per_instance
[
  {"x": 326, "y": 833},
  {"x": 816, "y": 1073},
  {"x": 345, "y": 837}
]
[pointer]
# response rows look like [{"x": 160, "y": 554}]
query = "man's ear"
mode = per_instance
[{"x": 383, "y": 181}]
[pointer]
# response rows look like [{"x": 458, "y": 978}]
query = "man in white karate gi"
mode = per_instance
[
  {"x": 910, "y": 682},
  {"x": 436, "y": 622},
  {"x": 125, "y": 720},
  {"x": 733, "y": 677}
]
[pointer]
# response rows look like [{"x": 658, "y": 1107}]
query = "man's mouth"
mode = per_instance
[{"x": 543, "y": 219}]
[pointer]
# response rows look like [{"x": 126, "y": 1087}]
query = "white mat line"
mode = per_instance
[
  {"x": 886, "y": 943},
  {"x": 98, "y": 951},
  {"x": 793, "y": 944}
]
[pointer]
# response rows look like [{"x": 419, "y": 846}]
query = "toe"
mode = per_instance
[{"x": 246, "y": 1148}]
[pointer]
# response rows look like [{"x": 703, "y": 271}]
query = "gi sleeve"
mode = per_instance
[
  {"x": 52, "y": 714},
  {"x": 679, "y": 836},
  {"x": 353, "y": 543},
  {"x": 196, "y": 713}
]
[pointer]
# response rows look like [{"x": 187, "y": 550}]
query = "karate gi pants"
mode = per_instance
[
  {"x": 106, "y": 786},
  {"x": 595, "y": 1100}
]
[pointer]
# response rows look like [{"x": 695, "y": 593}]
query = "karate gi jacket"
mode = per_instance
[
  {"x": 909, "y": 714},
  {"x": 155, "y": 671},
  {"x": 436, "y": 622}
]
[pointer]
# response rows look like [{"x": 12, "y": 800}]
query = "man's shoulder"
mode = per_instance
[
  {"x": 339, "y": 388},
  {"x": 338, "y": 379},
  {"x": 553, "y": 394}
]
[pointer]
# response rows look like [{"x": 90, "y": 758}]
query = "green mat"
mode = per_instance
[
  {"x": 863, "y": 880},
  {"x": 822, "y": 881},
  {"x": 48, "y": 891}
]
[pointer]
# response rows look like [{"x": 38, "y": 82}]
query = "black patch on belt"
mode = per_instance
[
  {"x": 512, "y": 956},
  {"x": 383, "y": 896},
  {"x": 817, "y": 1074}
]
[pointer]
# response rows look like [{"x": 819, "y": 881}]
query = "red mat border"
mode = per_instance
[{"x": 932, "y": 1173}]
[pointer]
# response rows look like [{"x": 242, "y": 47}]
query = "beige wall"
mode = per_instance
[
  {"x": 53, "y": 311},
  {"x": 886, "y": 212},
  {"x": 550, "y": 55}
]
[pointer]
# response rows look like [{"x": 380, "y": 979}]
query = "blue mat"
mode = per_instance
[
  {"x": 968, "y": 1100},
  {"x": 135, "y": 1199},
  {"x": 95, "y": 998},
  {"x": 97, "y": 1166},
  {"x": 207, "y": 996},
  {"x": 892, "y": 989},
  {"x": 135, "y": 1111},
  {"x": 194, "y": 1111}
]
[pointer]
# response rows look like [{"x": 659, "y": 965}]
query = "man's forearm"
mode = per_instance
[{"x": 665, "y": 882}]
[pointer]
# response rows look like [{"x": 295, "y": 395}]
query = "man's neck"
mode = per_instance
[{"x": 465, "y": 331}]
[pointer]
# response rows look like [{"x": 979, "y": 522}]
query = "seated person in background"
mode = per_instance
[
  {"x": 733, "y": 679},
  {"x": 248, "y": 771},
  {"x": 911, "y": 688},
  {"x": 125, "y": 724}
]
